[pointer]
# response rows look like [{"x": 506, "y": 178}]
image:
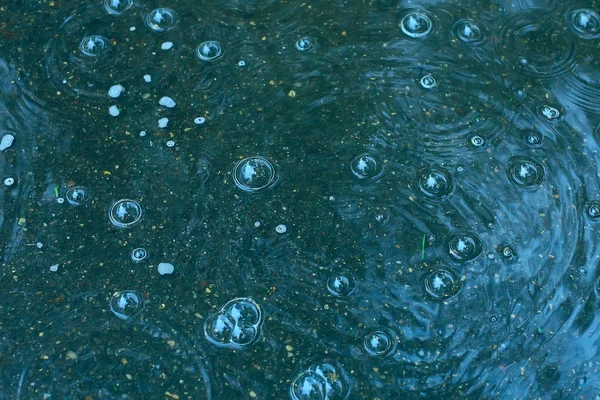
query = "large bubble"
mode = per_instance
[
  {"x": 416, "y": 24},
  {"x": 525, "y": 172},
  {"x": 125, "y": 213},
  {"x": 464, "y": 246},
  {"x": 126, "y": 304},
  {"x": 366, "y": 166},
  {"x": 94, "y": 45},
  {"x": 380, "y": 342},
  {"x": 253, "y": 174},
  {"x": 586, "y": 23},
  {"x": 321, "y": 381},
  {"x": 161, "y": 19},
  {"x": 435, "y": 184},
  {"x": 235, "y": 325},
  {"x": 441, "y": 284},
  {"x": 341, "y": 285}
]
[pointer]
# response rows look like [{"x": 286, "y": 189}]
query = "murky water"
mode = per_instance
[{"x": 263, "y": 199}]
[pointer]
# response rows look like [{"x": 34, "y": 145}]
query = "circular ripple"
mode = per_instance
[
  {"x": 77, "y": 195},
  {"x": 321, "y": 381},
  {"x": 236, "y": 325},
  {"x": 441, "y": 284},
  {"x": 125, "y": 213},
  {"x": 161, "y": 19},
  {"x": 470, "y": 31},
  {"x": 209, "y": 50},
  {"x": 126, "y": 304},
  {"x": 117, "y": 7},
  {"x": 535, "y": 44},
  {"x": 366, "y": 166},
  {"x": 253, "y": 174},
  {"x": 341, "y": 285},
  {"x": 585, "y": 22},
  {"x": 94, "y": 45},
  {"x": 380, "y": 342},
  {"x": 464, "y": 246},
  {"x": 306, "y": 43},
  {"x": 525, "y": 172},
  {"x": 435, "y": 184},
  {"x": 417, "y": 24}
]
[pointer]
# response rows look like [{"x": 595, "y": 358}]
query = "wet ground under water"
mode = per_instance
[{"x": 299, "y": 200}]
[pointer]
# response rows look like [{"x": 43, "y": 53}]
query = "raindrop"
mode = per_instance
[
  {"x": 379, "y": 343},
  {"x": 125, "y": 213},
  {"x": 464, "y": 246},
  {"x": 139, "y": 254},
  {"x": 416, "y": 24},
  {"x": 126, "y": 304},
  {"x": 586, "y": 23},
  {"x": 593, "y": 209},
  {"x": 161, "y": 19},
  {"x": 525, "y": 172},
  {"x": 209, "y": 50},
  {"x": 77, "y": 195},
  {"x": 253, "y": 174},
  {"x": 236, "y": 325},
  {"x": 441, "y": 284},
  {"x": 428, "y": 82},
  {"x": 366, "y": 166},
  {"x": 470, "y": 31},
  {"x": 305, "y": 43},
  {"x": 341, "y": 285},
  {"x": 117, "y": 7},
  {"x": 94, "y": 45},
  {"x": 435, "y": 184}
]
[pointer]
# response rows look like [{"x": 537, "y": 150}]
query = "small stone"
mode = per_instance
[
  {"x": 166, "y": 45},
  {"x": 167, "y": 102},
  {"x": 147, "y": 78},
  {"x": 115, "y": 91},
  {"x": 114, "y": 111},
  {"x": 166, "y": 268},
  {"x": 280, "y": 228},
  {"x": 7, "y": 141},
  {"x": 163, "y": 122}
]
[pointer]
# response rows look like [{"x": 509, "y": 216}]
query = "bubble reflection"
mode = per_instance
[
  {"x": 321, "y": 381},
  {"x": 380, "y": 342},
  {"x": 464, "y": 246},
  {"x": 94, "y": 45},
  {"x": 416, "y": 24},
  {"x": 126, "y": 304},
  {"x": 366, "y": 166}
]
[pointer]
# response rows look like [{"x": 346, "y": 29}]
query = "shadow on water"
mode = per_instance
[{"x": 263, "y": 199}]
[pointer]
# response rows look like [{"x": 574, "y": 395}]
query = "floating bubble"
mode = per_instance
[
  {"x": 77, "y": 195},
  {"x": 366, "y": 166},
  {"x": 305, "y": 43},
  {"x": 321, "y": 381},
  {"x": 6, "y": 141},
  {"x": 507, "y": 252},
  {"x": 550, "y": 112},
  {"x": 525, "y": 172},
  {"x": 94, "y": 45},
  {"x": 209, "y": 50},
  {"x": 126, "y": 304},
  {"x": 161, "y": 19},
  {"x": 125, "y": 213},
  {"x": 253, "y": 174},
  {"x": 139, "y": 254},
  {"x": 8, "y": 181},
  {"x": 115, "y": 91},
  {"x": 416, "y": 24},
  {"x": 170, "y": 143},
  {"x": 470, "y": 31},
  {"x": 380, "y": 342},
  {"x": 382, "y": 216},
  {"x": 464, "y": 246},
  {"x": 435, "y": 183},
  {"x": 428, "y": 82},
  {"x": 281, "y": 228},
  {"x": 341, "y": 285},
  {"x": 586, "y": 23},
  {"x": 114, "y": 111},
  {"x": 441, "y": 284},
  {"x": 593, "y": 209},
  {"x": 117, "y": 7},
  {"x": 476, "y": 141},
  {"x": 199, "y": 120},
  {"x": 533, "y": 138},
  {"x": 165, "y": 268},
  {"x": 166, "y": 101},
  {"x": 236, "y": 325}
]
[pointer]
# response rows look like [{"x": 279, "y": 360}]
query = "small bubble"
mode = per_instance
[
  {"x": 593, "y": 209},
  {"x": 126, "y": 304},
  {"x": 139, "y": 254},
  {"x": 170, "y": 143},
  {"x": 9, "y": 181},
  {"x": 39, "y": 245},
  {"x": 125, "y": 213},
  {"x": 60, "y": 200},
  {"x": 550, "y": 112},
  {"x": 161, "y": 19},
  {"x": 441, "y": 284},
  {"x": 435, "y": 184},
  {"x": 94, "y": 45},
  {"x": 379, "y": 343},
  {"x": 305, "y": 43},
  {"x": 281, "y": 228},
  {"x": 147, "y": 78},
  {"x": 470, "y": 31},
  {"x": 199, "y": 120},
  {"x": 507, "y": 252},
  {"x": 209, "y": 50},
  {"x": 366, "y": 166},
  {"x": 494, "y": 319},
  {"x": 54, "y": 268},
  {"x": 476, "y": 141},
  {"x": 241, "y": 63},
  {"x": 117, "y": 7},
  {"x": 142, "y": 133},
  {"x": 428, "y": 82},
  {"x": 525, "y": 172},
  {"x": 77, "y": 195},
  {"x": 341, "y": 285},
  {"x": 253, "y": 174}
]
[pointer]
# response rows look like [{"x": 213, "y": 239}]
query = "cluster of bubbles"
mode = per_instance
[
  {"x": 126, "y": 304},
  {"x": 235, "y": 325},
  {"x": 321, "y": 381}
]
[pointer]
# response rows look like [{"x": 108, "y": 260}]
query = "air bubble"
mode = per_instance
[
  {"x": 281, "y": 228},
  {"x": 8, "y": 181},
  {"x": 416, "y": 24},
  {"x": 77, "y": 195},
  {"x": 163, "y": 122},
  {"x": 237, "y": 324},
  {"x": 380, "y": 342},
  {"x": 435, "y": 184},
  {"x": 253, "y": 174},
  {"x": 441, "y": 284},
  {"x": 464, "y": 246},
  {"x": 139, "y": 254},
  {"x": 199, "y": 120},
  {"x": 476, "y": 141},
  {"x": 551, "y": 113},
  {"x": 593, "y": 209},
  {"x": 470, "y": 31},
  {"x": 525, "y": 172},
  {"x": 94, "y": 45},
  {"x": 507, "y": 252},
  {"x": 125, "y": 213},
  {"x": 341, "y": 285},
  {"x": 586, "y": 23},
  {"x": 366, "y": 166},
  {"x": 126, "y": 304},
  {"x": 117, "y": 7},
  {"x": 209, "y": 50},
  {"x": 428, "y": 82},
  {"x": 161, "y": 19},
  {"x": 533, "y": 138},
  {"x": 382, "y": 216},
  {"x": 305, "y": 43}
]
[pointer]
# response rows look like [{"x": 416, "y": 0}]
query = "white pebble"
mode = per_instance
[
  {"x": 281, "y": 228},
  {"x": 7, "y": 141},
  {"x": 115, "y": 91},
  {"x": 242, "y": 63},
  {"x": 54, "y": 268},
  {"x": 166, "y": 45},
  {"x": 132, "y": 28},
  {"x": 39, "y": 245},
  {"x": 165, "y": 268},
  {"x": 199, "y": 120},
  {"x": 162, "y": 123},
  {"x": 147, "y": 78},
  {"x": 167, "y": 102},
  {"x": 114, "y": 111}
]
